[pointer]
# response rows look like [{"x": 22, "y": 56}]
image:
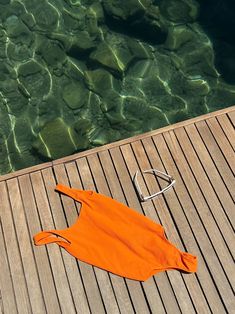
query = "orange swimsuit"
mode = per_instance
[{"x": 114, "y": 237}]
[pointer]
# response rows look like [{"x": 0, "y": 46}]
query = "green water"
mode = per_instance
[{"x": 79, "y": 74}]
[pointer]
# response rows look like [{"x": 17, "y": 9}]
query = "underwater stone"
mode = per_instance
[
  {"x": 141, "y": 116},
  {"x": 112, "y": 106},
  {"x": 125, "y": 10},
  {"x": 222, "y": 94},
  {"x": 178, "y": 36},
  {"x": 52, "y": 53},
  {"x": 29, "y": 68},
  {"x": 19, "y": 142},
  {"x": 56, "y": 140},
  {"x": 74, "y": 69},
  {"x": 77, "y": 46},
  {"x": 153, "y": 119},
  {"x": 134, "y": 18},
  {"x": 75, "y": 95},
  {"x": 141, "y": 68},
  {"x": 197, "y": 87},
  {"x": 28, "y": 19},
  {"x": 80, "y": 44},
  {"x": 96, "y": 9},
  {"x": 116, "y": 119},
  {"x": 17, "y": 103},
  {"x": 179, "y": 11},
  {"x": 34, "y": 78},
  {"x": 112, "y": 101},
  {"x": 46, "y": 16},
  {"x": 199, "y": 61},
  {"x": 134, "y": 106},
  {"x": 113, "y": 58},
  {"x": 19, "y": 52},
  {"x": 178, "y": 116},
  {"x": 91, "y": 22},
  {"x": 48, "y": 109},
  {"x": 82, "y": 126},
  {"x": 139, "y": 50},
  {"x": 101, "y": 81},
  {"x": 154, "y": 87},
  {"x": 17, "y": 30},
  {"x": 103, "y": 136},
  {"x": 8, "y": 86}
]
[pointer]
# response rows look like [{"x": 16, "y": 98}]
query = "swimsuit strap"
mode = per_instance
[
  {"x": 78, "y": 195},
  {"x": 45, "y": 237},
  {"x": 67, "y": 191}
]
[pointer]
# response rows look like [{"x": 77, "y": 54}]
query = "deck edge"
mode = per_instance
[{"x": 115, "y": 144}]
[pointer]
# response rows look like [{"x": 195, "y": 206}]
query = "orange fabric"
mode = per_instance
[{"x": 114, "y": 237}]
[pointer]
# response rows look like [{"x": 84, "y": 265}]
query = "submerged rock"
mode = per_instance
[
  {"x": 179, "y": 11},
  {"x": 56, "y": 140},
  {"x": 52, "y": 53},
  {"x": 126, "y": 10},
  {"x": 114, "y": 58},
  {"x": 101, "y": 136},
  {"x": 109, "y": 68},
  {"x": 46, "y": 15},
  {"x": 101, "y": 81},
  {"x": 34, "y": 78},
  {"x": 178, "y": 36},
  {"x": 83, "y": 127},
  {"x": 75, "y": 95},
  {"x": 223, "y": 93},
  {"x": 17, "y": 30}
]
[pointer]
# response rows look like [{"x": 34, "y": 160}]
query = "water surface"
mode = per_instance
[{"x": 79, "y": 74}]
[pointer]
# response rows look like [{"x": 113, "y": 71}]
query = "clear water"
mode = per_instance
[{"x": 77, "y": 74}]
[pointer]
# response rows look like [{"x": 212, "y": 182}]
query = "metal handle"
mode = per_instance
[{"x": 146, "y": 198}]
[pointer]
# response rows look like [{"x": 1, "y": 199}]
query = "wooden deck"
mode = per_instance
[{"x": 198, "y": 215}]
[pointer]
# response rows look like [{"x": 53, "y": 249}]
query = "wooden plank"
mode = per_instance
[
  {"x": 7, "y": 296},
  {"x": 176, "y": 222},
  {"x": 131, "y": 199},
  {"x": 40, "y": 253},
  {"x": 177, "y": 282},
  {"x": 228, "y": 129},
  {"x": 231, "y": 115},
  {"x": 1, "y": 303},
  {"x": 55, "y": 257},
  {"x": 70, "y": 263},
  {"x": 115, "y": 191},
  {"x": 140, "y": 136},
  {"x": 89, "y": 279},
  {"x": 199, "y": 213},
  {"x": 224, "y": 204},
  {"x": 101, "y": 183},
  {"x": 218, "y": 157},
  {"x": 222, "y": 141},
  {"x": 25, "y": 246},
  {"x": 13, "y": 252}
]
